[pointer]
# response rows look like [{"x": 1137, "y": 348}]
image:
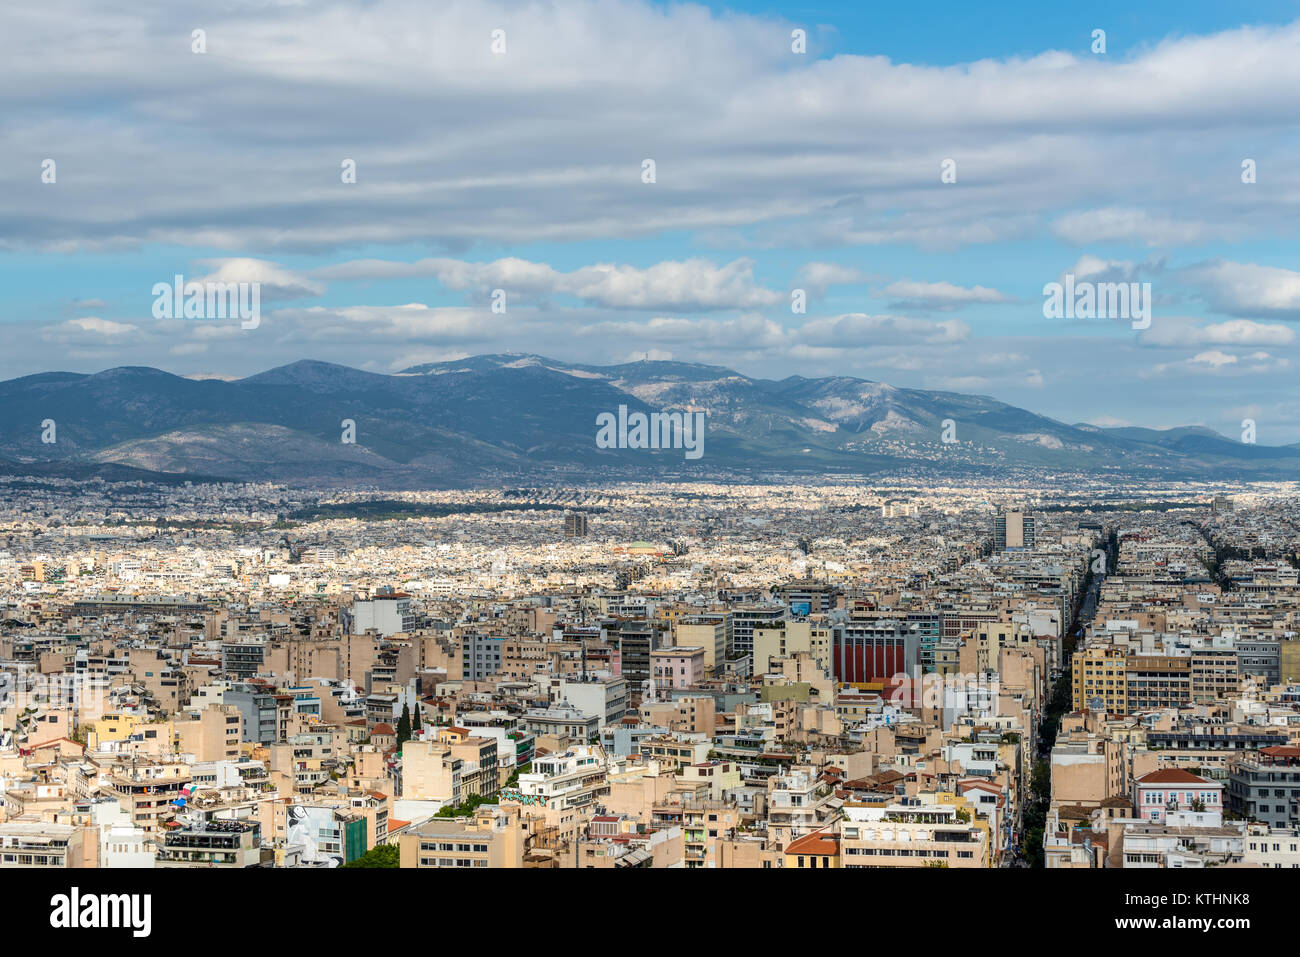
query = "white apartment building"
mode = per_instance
[{"x": 569, "y": 780}]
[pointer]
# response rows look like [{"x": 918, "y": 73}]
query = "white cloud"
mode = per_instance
[
  {"x": 275, "y": 281},
  {"x": 545, "y": 143},
  {"x": 940, "y": 295},
  {"x": 1220, "y": 363},
  {"x": 99, "y": 327},
  {"x": 1131, "y": 225},
  {"x": 1213, "y": 358},
  {"x": 1095, "y": 269},
  {"x": 1246, "y": 289},
  {"x": 694, "y": 284},
  {"x": 818, "y": 277},
  {"x": 1233, "y": 332},
  {"x": 856, "y": 330}
]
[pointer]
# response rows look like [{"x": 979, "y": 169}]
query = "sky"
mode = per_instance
[{"x": 916, "y": 175}]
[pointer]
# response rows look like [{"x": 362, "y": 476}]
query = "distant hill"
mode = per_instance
[{"x": 498, "y": 418}]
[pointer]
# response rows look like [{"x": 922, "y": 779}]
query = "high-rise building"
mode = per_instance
[
  {"x": 1013, "y": 529},
  {"x": 575, "y": 525},
  {"x": 743, "y": 621}
]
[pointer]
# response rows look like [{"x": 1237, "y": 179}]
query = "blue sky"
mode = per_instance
[{"x": 520, "y": 170}]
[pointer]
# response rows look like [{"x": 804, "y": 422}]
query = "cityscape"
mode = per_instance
[
  {"x": 918, "y": 674},
  {"x": 757, "y": 438}
]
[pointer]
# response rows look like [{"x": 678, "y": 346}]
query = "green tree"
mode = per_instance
[
  {"x": 416, "y": 722},
  {"x": 385, "y": 855},
  {"x": 404, "y": 727}
]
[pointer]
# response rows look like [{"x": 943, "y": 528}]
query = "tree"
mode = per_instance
[
  {"x": 416, "y": 722},
  {"x": 404, "y": 727},
  {"x": 385, "y": 855}
]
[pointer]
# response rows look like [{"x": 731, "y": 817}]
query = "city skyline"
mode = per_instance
[{"x": 510, "y": 437}]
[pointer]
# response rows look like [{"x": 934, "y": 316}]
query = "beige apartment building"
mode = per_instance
[
  {"x": 897, "y": 836},
  {"x": 430, "y": 772},
  {"x": 146, "y": 793},
  {"x": 706, "y": 827},
  {"x": 212, "y": 735},
  {"x": 478, "y": 756},
  {"x": 787, "y": 638},
  {"x": 709, "y": 633},
  {"x": 1086, "y": 772},
  {"x": 493, "y": 837},
  {"x": 691, "y": 714},
  {"x": 25, "y": 844},
  {"x": 1214, "y": 674},
  {"x": 1157, "y": 681}
]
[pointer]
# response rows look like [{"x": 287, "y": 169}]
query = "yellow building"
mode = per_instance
[
  {"x": 1100, "y": 671},
  {"x": 111, "y": 727}
]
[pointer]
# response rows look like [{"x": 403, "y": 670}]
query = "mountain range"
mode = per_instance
[{"x": 499, "y": 419}]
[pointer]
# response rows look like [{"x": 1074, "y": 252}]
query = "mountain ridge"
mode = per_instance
[{"x": 506, "y": 417}]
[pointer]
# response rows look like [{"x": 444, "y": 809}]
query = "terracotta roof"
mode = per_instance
[
  {"x": 1173, "y": 776},
  {"x": 1280, "y": 751},
  {"x": 383, "y": 728},
  {"x": 817, "y": 843}
]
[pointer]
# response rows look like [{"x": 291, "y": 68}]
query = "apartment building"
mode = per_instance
[
  {"x": 25, "y": 844},
  {"x": 575, "y": 778},
  {"x": 1272, "y": 847},
  {"x": 387, "y": 612},
  {"x": 910, "y": 836},
  {"x": 1157, "y": 681},
  {"x": 605, "y": 696},
  {"x": 744, "y": 619},
  {"x": 1266, "y": 788},
  {"x": 679, "y": 667},
  {"x": 1158, "y": 793},
  {"x": 785, "y": 639},
  {"x": 211, "y": 735},
  {"x": 704, "y": 631},
  {"x": 431, "y": 772},
  {"x": 1099, "y": 676},
  {"x": 213, "y": 843},
  {"x": 147, "y": 792},
  {"x": 493, "y": 837}
]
